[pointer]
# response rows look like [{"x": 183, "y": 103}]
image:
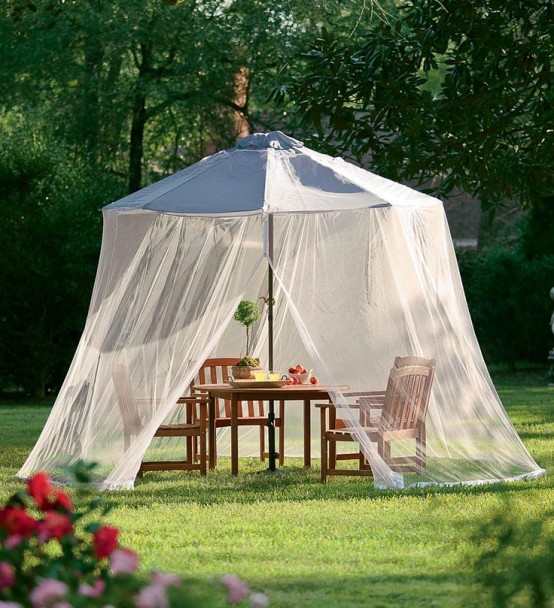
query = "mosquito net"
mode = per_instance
[{"x": 364, "y": 271}]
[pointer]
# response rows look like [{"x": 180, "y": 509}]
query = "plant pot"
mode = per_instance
[{"x": 242, "y": 372}]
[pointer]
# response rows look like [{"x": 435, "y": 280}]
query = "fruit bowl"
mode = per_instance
[{"x": 305, "y": 377}]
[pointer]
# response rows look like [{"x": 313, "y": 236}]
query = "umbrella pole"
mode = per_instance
[{"x": 271, "y": 413}]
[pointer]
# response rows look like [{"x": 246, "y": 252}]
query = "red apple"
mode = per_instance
[
  {"x": 300, "y": 369},
  {"x": 294, "y": 380},
  {"x": 314, "y": 379}
]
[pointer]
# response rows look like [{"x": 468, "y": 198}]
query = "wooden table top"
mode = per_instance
[{"x": 287, "y": 392}]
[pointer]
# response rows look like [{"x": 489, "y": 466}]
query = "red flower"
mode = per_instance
[
  {"x": 17, "y": 521},
  {"x": 46, "y": 495},
  {"x": 62, "y": 500},
  {"x": 40, "y": 488},
  {"x": 105, "y": 541},
  {"x": 54, "y": 525}
]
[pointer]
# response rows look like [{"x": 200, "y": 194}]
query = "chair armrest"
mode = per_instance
[
  {"x": 362, "y": 393},
  {"x": 354, "y": 406},
  {"x": 146, "y": 401},
  {"x": 194, "y": 400},
  {"x": 375, "y": 401}
]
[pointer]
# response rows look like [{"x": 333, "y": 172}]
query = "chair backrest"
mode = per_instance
[
  {"x": 126, "y": 399},
  {"x": 216, "y": 371},
  {"x": 412, "y": 360},
  {"x": 407, "y": 397}
]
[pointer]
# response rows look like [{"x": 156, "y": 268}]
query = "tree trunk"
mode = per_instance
[
  {"x": 136, "y": 142},
  {"x": 140, "y": 116}
]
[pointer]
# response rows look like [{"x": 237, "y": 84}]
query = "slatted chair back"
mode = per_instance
[
  {"x": 407, "y": 398},
  {"x": 216, "y": 371},
  {"x": 126, "y": 399},
  {"x": 412, "y": 360}
]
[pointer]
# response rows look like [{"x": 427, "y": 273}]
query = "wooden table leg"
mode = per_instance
[
  {"x": 212, "y": 432},
  {"x": 234, "y": 435},
  {"x": 307, "y": 435}
]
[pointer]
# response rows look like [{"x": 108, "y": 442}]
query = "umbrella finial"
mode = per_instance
[{"x": 275, "y": 140}]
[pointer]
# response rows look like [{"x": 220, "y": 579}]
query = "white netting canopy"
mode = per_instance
[{"x": 364, "y": 271}]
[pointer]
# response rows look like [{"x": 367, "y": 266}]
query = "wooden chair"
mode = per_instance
[
  {"x": 194, "y": 428},
  {"x": 250, "y": 413},
  {"x": 376, "y": 396},
  {"x": 400, "y": 415}
]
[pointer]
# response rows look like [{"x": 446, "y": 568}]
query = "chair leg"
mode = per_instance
[
  {"x": 332, "y": 445},
  {"x": 381, "y": 447},
  {"x": 421, "y": 451},
  {"x": 203, "y": 460},
  {"x": 190, "y": 451}
]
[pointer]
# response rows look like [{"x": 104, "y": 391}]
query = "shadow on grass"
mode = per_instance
[
  {"x": 371, "y": 591},
  {"x": 294, "y": 484}
]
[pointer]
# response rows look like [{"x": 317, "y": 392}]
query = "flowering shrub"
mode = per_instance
[{"x": 46, "y": 563}]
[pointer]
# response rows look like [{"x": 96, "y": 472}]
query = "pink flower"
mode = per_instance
[
  {"x": 236, "y": 589},
  {"x": 258, "y": 600},
  {"x": 10, "y": 605},
  {"x": 13, "y": 541},
  {"x": 123, "y": 561},
  {"x": 7, "y": 576},
  {"x": 62, "y": 605},
  {"x": 47, "y": 592},
  {"x": 94, "y": 590},
  {"x": 161, "y": 579},
  {"x": 152, "y": 596}
]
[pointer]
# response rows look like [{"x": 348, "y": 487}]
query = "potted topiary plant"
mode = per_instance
[{"x": 247, "y": 314}]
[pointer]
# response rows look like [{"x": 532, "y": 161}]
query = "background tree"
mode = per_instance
[
  {"x": 49, "y": 233},
  {"x": 453, "y": 94},
  {"x": 99, "y": 98}
]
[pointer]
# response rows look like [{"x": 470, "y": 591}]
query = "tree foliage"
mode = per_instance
[
  {"x": 98, "y": 99},
  {"x": 50, "y": 232},
  {"x": 454, "y": 94}
]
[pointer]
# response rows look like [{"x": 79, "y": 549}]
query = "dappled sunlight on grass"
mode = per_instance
[{"x": 342, "y": 544}]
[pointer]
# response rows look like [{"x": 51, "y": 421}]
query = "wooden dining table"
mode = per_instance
[{"x": 298, "y": 392}]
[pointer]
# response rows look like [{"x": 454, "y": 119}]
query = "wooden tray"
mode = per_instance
[{"x": 256, "y": 383}]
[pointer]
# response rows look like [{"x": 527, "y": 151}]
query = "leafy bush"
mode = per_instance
[
  {"x": 509, "y": 304},
  {"x": 515, "y": 561},
  {"x": 50, "y": 232}
]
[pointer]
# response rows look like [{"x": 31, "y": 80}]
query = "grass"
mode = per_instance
[{"x": 302, "y": 543}]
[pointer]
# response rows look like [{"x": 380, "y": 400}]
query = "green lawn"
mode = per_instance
[{"x": 306, "y": 544}]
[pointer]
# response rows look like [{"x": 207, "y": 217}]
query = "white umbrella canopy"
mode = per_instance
[
  {"x": 364, "y": 271},
  {"x": 273, "y": 173}
]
